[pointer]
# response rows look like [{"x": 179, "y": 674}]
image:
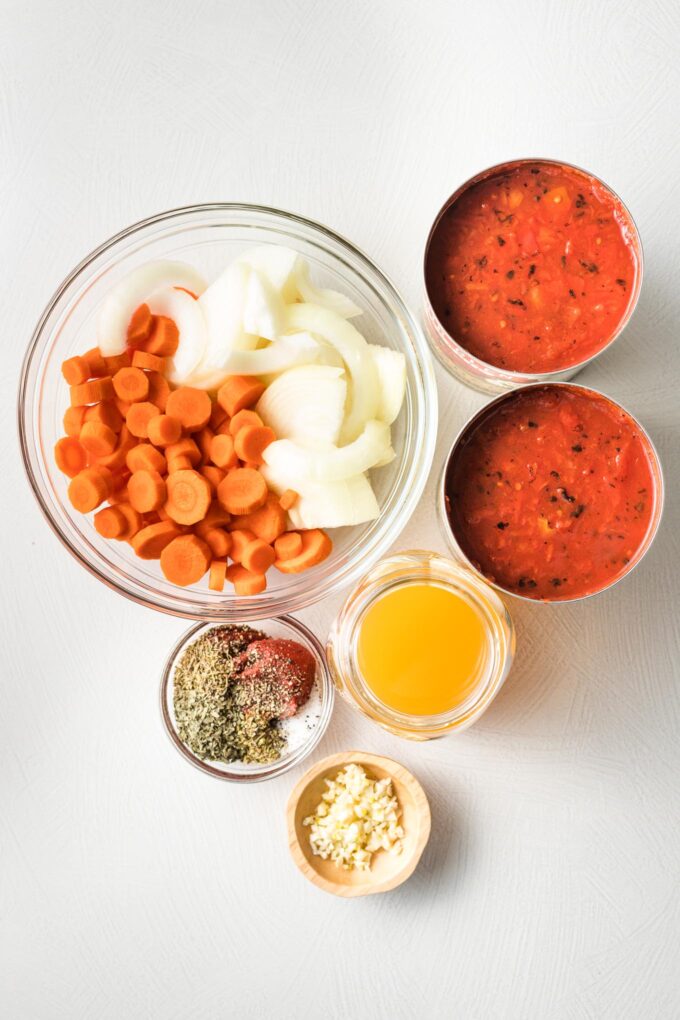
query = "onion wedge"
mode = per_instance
[
  {"x": 334, "y": 463},
  {"x": 296, "y": 349},
  {"x": 188, "y": 316},
  {"x": 133, "y": 290},
  {"x": 329, "y": 326},
  {"x": 333, "y": 300},
  {"x": 391, "y": 368},
  {"x": 223, "y": 304},
  {"x": 328, "y": 504},
  {"x": 306, "y": 403}
]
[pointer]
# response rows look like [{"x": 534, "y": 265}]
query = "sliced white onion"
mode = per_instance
[
  {"x": 338, "y": 504},
  {"x": 263, "y": 308},
  {"x": 329, "y": 326},
  {"x": 333, "y": 300},
  {"x": 391, "y": 368},
  {"x": 296, "y": 349},
  {"x": 122, "y": 300},
  {"x": 222, "y": 304},
  {"x": 278, "y": 264},
  {"x": 188, "y": 316},
  {"x": 306, "y": 403},
  {"x": 332, "y": 463}
]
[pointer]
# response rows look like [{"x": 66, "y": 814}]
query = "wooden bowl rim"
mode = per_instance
[{"x": 395, "y": 771}]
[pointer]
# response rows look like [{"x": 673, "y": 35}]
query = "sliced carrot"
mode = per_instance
[
  {"x": 179, "y": 463},
  {"x": 117, "y": 459},
  {"x": 145, "y": 457},
  {"x": 133, "y": 519},
  {"x": 87, "y": 490},
  {"x": 185, "y": 560},
  {"x": 115, "y": 362},
  {"x": 222, "y": 452},
  {"x": 218, "y": 540},
  {"x": 110, "y": 522},
  {"x": 218, "y": 416},
  {"x": 288, "y": 499},
  {"x": 122, "y": 407},
  {"x": 95, "y": 362},
  {"x": 238, "y": 392},
  {"x": 268, "y": 522},
  {"x": 73, "y": 420},
  {"x": 203, "y": 440},
  {"x": 98, "y": 439},
  {"x": 163, "y": 339},
  {"x": 139, "y": 416},
  {"x": 213, "y": 474},
  {"x": 216, "y": 516},
  {"x": 218, "y": 572},
  {"x": 316, "y": 546},
  {"x": 188, "y": 497},
  {"x": 190, "y": 406},
  {"x": 258, "y": 557},
  {"x": 131, "y": 384},
  {"x": 244, "y": 582},
  {"x": 118, "y": 492},
  {"x": 223, "y": 429},
  {"x": 240, "y": 540},
  {"x": 242, "y": 491},
  {"x": 92, "y": 392},
  {"x": 164, "y": 430},
  {"x": 146, "y": 491},
  {"x": 243, "y": 418},
  {"x": 149, "y": 542},
  {"x": 288, "y": 546},
  {"x": 139, "y": 326},
  {"x": 105, "y": 412},
  {"x": 184, "y": 448},
  {"x": 70, "y": 456},
  {"x": 75, "y": 370},
  {"x": 151, "y": 362},
  {"x": 159, "y": 390},
  {"x": 251, "y": 441}
]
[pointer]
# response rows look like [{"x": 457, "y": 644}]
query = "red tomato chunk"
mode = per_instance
[{"x": 534, "y": 269}]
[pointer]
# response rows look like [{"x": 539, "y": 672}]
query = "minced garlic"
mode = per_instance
[{"x": 355, "y": 817}]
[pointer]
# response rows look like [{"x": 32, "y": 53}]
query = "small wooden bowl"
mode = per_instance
[{"x": 387, "y": 870}]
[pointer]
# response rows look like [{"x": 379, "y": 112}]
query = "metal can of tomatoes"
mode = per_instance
[
  {"x": 551, "y": 492},
  {"x": 532, "y": 269}
]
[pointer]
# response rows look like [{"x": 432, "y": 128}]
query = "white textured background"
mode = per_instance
[{"x": 131, "y": 886}]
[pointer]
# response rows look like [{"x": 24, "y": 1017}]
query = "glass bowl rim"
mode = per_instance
[
  {"x": 267, "y": 605},
  {"x": 288, "y": 761}
]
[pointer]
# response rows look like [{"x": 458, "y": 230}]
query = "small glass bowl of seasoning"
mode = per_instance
[
  {"x": 421, "y": 646},
  {"x": 532, "y": 269},
  {"x": 246, "y": 702}
]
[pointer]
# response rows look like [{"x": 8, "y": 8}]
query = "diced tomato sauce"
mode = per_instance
[
  {"x": 532, "y": 270},
  {"x": 551, "y": 494}
]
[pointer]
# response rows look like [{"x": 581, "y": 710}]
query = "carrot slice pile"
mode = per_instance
[{"x": 178, "y": 470}]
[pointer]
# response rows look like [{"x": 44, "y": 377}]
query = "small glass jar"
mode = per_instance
[{"x": 410, "y": 568}]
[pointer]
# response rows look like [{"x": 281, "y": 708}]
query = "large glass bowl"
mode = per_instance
[{"x": 209, "y": 236}]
